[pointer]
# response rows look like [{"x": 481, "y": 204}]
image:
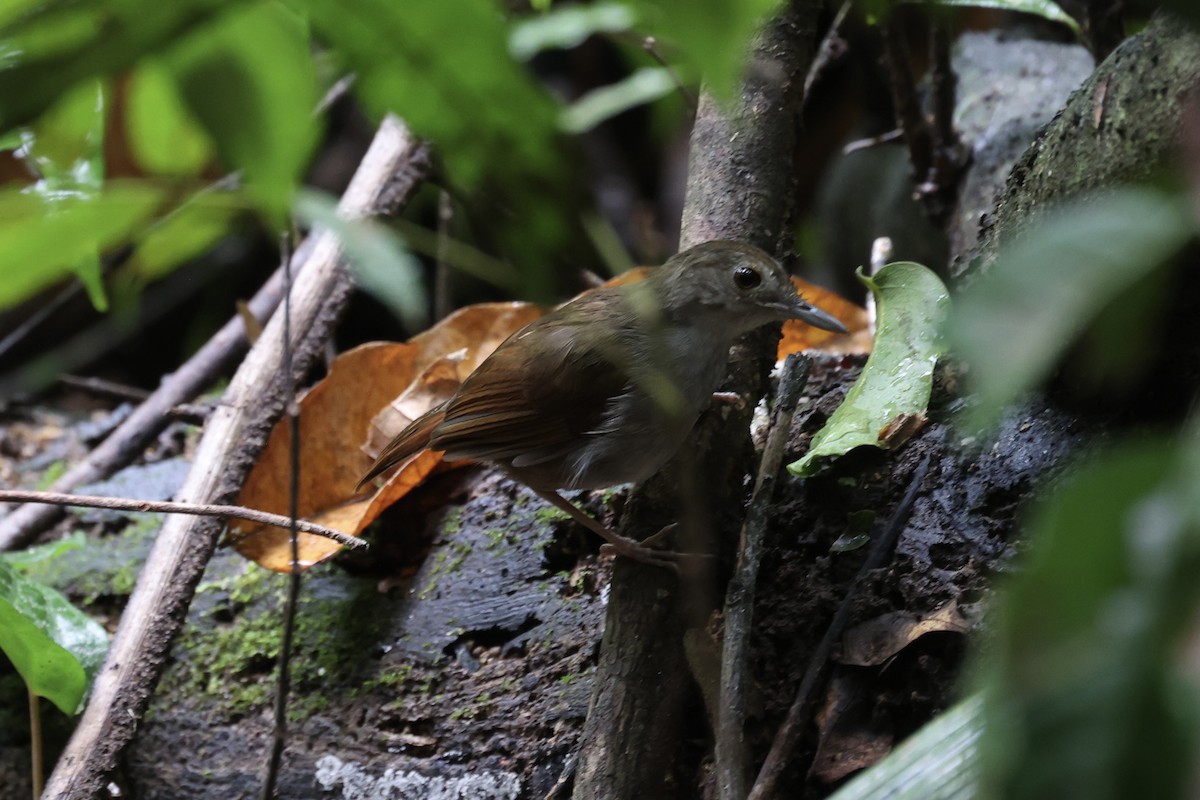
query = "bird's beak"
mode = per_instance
[{"x": 816, "y": 317}]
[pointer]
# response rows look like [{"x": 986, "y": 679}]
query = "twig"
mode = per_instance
[
  {"x": 732, "y": 756},
  {"x": 800, "y": 711},
  {"x": 130, "y": 438},
  {"x": 442, "y": 275},
  {"x": 197, "y": 412},
  {"x": 389, "y": 174},
  {"x": 293, "y": 595},
  {"x": 831, "y": 48},
  {"x": 162, "y": 507},
  {"x": 896, "y": 135},
  {"x": 650, "y": 45},
  {"x": 36, "y": 745}
]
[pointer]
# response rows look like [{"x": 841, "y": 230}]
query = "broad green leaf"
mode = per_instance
[
  {"x": 250, "y": 80},
  {"x": 445, "y": 68},
  {"x": 897, "y": 380},
  {"x": 1041, "y": 8},
  {"x": 645, "y": 85},
  {"x": 185, "y": 233},
  {"x": 91, "y": 275},
  {"x": 57, "y": 45},
  {"x": 381, "y": 262},
  {"x": 566, "y": 27},
  {"x": 42, "y": 240},
  {"x": 56, "y": 648},
  {"x": 1087, "y": 683},
  {"x": 163, "y": 134},
  {"x": 1012, "y": 325},
  {"x": 714, "y": 40},
  {"x": 938, "y": 762}
]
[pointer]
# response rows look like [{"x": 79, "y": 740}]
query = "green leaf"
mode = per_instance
[
  {"x": 381, "y": 262},
  {"x": 897, "y": 380},
  {"x": 566, "y": 27},
  {"x": 1012, "y": 324},
  {"x": 56, "y": 45},
  {"x": 66, "y": 144},
  {"x": 164, "y": 136},
  {"x": 43, "y": 239},
  {"x": 185, "y": 233},
  {"x": 250, "y": 80},
  {"x": 938, "y": 762},
  {"x": 1086, "y": 677},
  {"x": 43, "y": 553},
  {"x": 1041, "y": 8},
  {"x": 423, "y": 63},
  {"x": 55, "y": 647},
  {"x": 644, "y": 86},
  {"x": 714, "y": 40}
]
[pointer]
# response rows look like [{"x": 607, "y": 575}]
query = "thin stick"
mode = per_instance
[
  {"x": 732, "y": 754},
  {"x": 99, "y": 386},
  {"x": 442, "y": 275},
  {"x": 289, "y": 612},
  {"x": 800, "y": 712},
  {"x": 832, "y": 46},
  {"x": 388, "y": 175},
  {"x": 37, "y": 773},
  {"x": 650, "y": 45},
  {"x": 194, "y": 509}
]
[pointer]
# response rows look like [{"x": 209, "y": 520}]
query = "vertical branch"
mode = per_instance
[{"x": 739, "y": 187}]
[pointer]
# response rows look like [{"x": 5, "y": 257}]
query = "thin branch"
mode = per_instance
[
  {"x": 279, "y": 739},
  {"x": 650, "y": 45},
  {"x": 197, "y": 412},
  {"x": 161, "y": 507},
  {"x": 442, "y": 275},
  {"x": 832, "y": 48},
  {"x": 765, "y": 787},
  {"x": 732, "y": 754},
  {"x": 36, "y": 745}
]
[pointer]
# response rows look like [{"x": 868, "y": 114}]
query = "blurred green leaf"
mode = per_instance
[
  {"x": 714, "y": 39},
  {"x": 566, "y": 27},
  {"x": 44, "y": 553},
  {"x": 55, "y": 647},
  {"x": 1012, "y": 324},
  {"x": 43, "y": 239},
  {"x": 938, "y": 762},
  {"x": 381, "y": 262},
  {"x": 55, "y": 46},
  {"x": 250, "y": 80},
  {"x": 185, "y": 233},
  {"x": 644, "y": 86},
  {"x": 897, "y": 379},
  {"x": 163, "y": 135},
  {"x": 1041, "y": 8},
  {"x": 1085, "y": 692},
  {"x": 447, "y": 56}
]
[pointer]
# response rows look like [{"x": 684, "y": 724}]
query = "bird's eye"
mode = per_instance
[{"x": 746, "y": 277}]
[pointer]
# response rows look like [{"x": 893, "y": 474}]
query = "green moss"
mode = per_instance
[
  {"x": 452, "y": 521},
  {"x": 52, "y": 473},
  {"x": 234, "y": 663},
  {"x": 550, "y": 514}
]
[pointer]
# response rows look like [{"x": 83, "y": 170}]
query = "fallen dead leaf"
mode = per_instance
[
  {"x": 799, "y": 336},
  {"x": 336, "y": 415},
  {"x": 877, "y": 640}
]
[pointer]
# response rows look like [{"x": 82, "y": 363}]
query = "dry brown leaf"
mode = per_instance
[
  {"x": 799, "y": 336},
  {"x": 336, "y": 416},
  {"x": 877, "y": 640},
  {"x": 849, "y": 737}
]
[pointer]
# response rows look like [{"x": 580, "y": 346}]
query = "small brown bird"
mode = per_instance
[{"x": 605, "y": 389}]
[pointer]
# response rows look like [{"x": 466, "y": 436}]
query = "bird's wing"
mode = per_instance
[
  {"x": 411, "y": 440},
  {"x": 528, "y": 408}
]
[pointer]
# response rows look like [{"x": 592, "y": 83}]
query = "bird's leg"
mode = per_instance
[{"x": 621, "y": 544}]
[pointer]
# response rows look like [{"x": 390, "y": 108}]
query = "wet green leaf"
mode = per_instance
[
  {"x": 66, "y": 144},
  {"x": 56, "y": 648},
  {"x": 185, "y": 233},
  {"x": 1041, "y": 8},
  {"x": 897, "y": 380},
  {"x": 44, "y": 239}
]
